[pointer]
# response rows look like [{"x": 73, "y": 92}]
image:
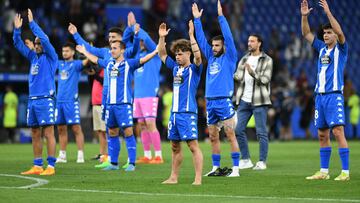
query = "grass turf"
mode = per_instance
[{"x": 284, "y": 180}]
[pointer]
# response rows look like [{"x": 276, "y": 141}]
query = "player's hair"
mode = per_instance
[
  {"x": 259, "y": 39},
  {"x": 122, "y": 44},
  {"x": 326, "y": 26},
  {"x": 116, "y": 30},
  {"x": 218, "y": 38},
  {"x": 70, "y": 45},
  {"x": 180, "y": 45}
]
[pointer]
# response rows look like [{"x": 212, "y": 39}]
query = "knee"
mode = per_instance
[{"x": 175, "y": 148}]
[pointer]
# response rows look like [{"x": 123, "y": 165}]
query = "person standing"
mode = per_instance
[{"x": 10, "y": 113}]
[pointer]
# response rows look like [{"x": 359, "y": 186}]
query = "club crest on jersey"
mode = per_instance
[
  {"x": 64, "y": 75},
  {"x": 34, "y": 69},
  {"x": 214, "y": 68},
  {"x": 325, "y": 60}
]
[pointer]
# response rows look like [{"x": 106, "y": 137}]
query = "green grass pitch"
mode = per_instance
[{"x": 284, "y": 180}]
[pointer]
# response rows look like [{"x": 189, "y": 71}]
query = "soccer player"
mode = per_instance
[
  {"x": 40, "y": 111},
  {"x": 183, "y": 120},
  {"x": 329, "y": 101},
  {"x": 115, "y": 33},
  {"x": 67, "y": 111},
  {"x": 253, "y": 98},
  {"x": 119, "y": 100},
  {"x": 222, "y": 58},
  {"x": 146, "y": 85}
]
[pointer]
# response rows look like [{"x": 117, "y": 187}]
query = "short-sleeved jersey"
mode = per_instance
[
  {"x": 68, "y": 79},
  {"x": 185, "y": 84},
  {"x": 120, "y": 76},
  {"x": 331, "y": 64}
]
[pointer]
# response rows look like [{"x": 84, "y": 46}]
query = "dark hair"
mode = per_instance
[
  {"x": 116, "y": 30},
  {"x": 326, "y": 26},
  {"x": 180, "y": 45},
  {"x": 218, "y": 38},
  {"x": 70, "y": 45},
  {"x": 259, "y": 39},
  {"x": 122, "y": 44}
]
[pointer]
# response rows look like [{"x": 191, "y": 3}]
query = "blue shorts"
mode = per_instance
[
  {"x": 219, "y": 110},
  {"x": 40, "y": 112},
  {"x": 329, "y": 110},
  {"x": 183, "y": 127},
  {"x": 67, "y": 113},
  {"x": 119, "y": 115}
]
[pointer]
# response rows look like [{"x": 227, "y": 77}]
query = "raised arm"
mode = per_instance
[
  {"x": 305, "y": 28},
  {"x": 18, "y": 42},
  {"x": 200, "y": 36},
  {"x": 163, "y": 32},
  {"x": 148, "y": 57},
  {"x": 194, "y": 46},
  {"x": 99, "y": 52},
  {"x": 131, "y": 52},
  {"x": 82, "y": 49},
  {"x": 229, "y": 43},
  {"x": 334, "y": 23},
  {"x": 44, "y": 39}
]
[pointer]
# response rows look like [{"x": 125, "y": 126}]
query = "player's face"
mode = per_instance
[
  {"x": 253, "y": 44},
  {"x": 67, "y": 53},
  {"x": 29, "y": 44},
  {"x": 113, "y": 36},
  {"x": 329, "y": 36},
  {"x": 116, "y": 51},
  {"x": 182, "y": 57},
  {"x": 38, "y": 46},
  {"x": 217, "y": 47}
]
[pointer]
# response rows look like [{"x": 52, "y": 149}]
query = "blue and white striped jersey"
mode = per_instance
[
  {"x": 331, "y": 64},
  {"x": 120, "y": 76},
  {"x": 186, "y": 81}
]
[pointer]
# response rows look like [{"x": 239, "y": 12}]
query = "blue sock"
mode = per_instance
[
  {"x": 108, "y": 142},
  {"x": 51, "y": 161},
  {"x": 235, "y": 158},
  {"x": 131, "y": 148},
  {"x": 114, "y": 144},
  {"x": 38, "y": 162},
  {"x": 325, "y": 154},
  {"x": 216, "y": 159},
  {"x": 344, "y": 156}
]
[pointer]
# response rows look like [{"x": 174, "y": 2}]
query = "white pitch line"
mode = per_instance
[
  {"x": 39, "y": 181},
  {"x": 191, "y": 195}
]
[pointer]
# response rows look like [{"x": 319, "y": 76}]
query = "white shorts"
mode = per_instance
[{"x": 98, "y": 123}]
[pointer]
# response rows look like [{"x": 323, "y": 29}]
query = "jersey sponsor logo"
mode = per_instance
[
  {"x": 178, "y": 79},
  {"x": 34, "y": 69},
  {"x": 214, "y": 68},
  {"x": 114, "y": 72},
  {"x": 140, "y": 70},
  {"x": 325, "y": 60},
  {"x": 64, "y": 75}
]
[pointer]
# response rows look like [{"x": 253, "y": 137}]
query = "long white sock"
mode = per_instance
[{"x": 62, "y": 154}]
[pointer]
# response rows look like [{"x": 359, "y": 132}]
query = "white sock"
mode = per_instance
[
  {"x": 346, "y": 171},
  {"x": 324, "y": 170},
  {"x": 214, "y": 168},
  {"x": 147, "y": 154},
  {"x": 62, "y": 154},
  {"x": 158, "y": 153},
  {"x": 80, "y": 154},
  {"x": 235, "y": 168}
]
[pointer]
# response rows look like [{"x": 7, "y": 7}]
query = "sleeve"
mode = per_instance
[
  {"x": 20, "y": 46},
  {"x": 131, "y": 52},
  {"x": 149, "y": 43},
  {"x": 318, "y": 44},
  {"x": 198, "y": 69},
  {"x": 102, "y": 62},
  {"x": 128, "y": 33},
  {"x": 343, "y": 48},
  {"x": 99, "y": 52},
  {"x": 170, "y": 63},
  {"x": 79, "y": 65},
  {"x": 44, "y": 39},
  {"x": 134, "y": 63},
  {"x": 228, "y": 38},
  {"x": 201, "y": 39},
  {"x": 265, "y": 76}
]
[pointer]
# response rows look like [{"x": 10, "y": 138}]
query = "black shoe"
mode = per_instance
[
  {"x": 96, "y": 157},
  {"x": 218, "y": 172},
  {"x": 226, "y": 171}
]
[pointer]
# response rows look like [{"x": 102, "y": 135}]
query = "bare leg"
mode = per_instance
[
  {"x": 102, "y": 142},
  {"x": 79, "y": 136},
  {"x": 50, "y": 138},
  {"x": 214, "y": 139},
  {"x": 63, "y": 136},
  {"x": 339, "y": 135},
  {"x": 177, "y": 158},
  {"x": 36, "y": 142},
  {"x": 197, "y": 160}
]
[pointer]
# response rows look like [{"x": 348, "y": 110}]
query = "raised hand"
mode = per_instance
[
  {"x": 305, "y": 11},
  {"x": 325, "y": 6},
  {"x": 72, "y": 28},
  {"x": 131, "y": 20},
  {"x": 81, "y": 49},
  {"x": 163, "y": 31},
  {"x": 191, "y": 28},
  {"x": 137, "y": 28},
  {"x": 18, "y": 21},
  {"x": 220, "y": 12},
  {"x": 30, "y": 15},
  {"x": 195, "y": 11}
]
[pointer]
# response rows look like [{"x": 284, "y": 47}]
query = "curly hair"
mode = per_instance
[{"x": 180, "y": 45}]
